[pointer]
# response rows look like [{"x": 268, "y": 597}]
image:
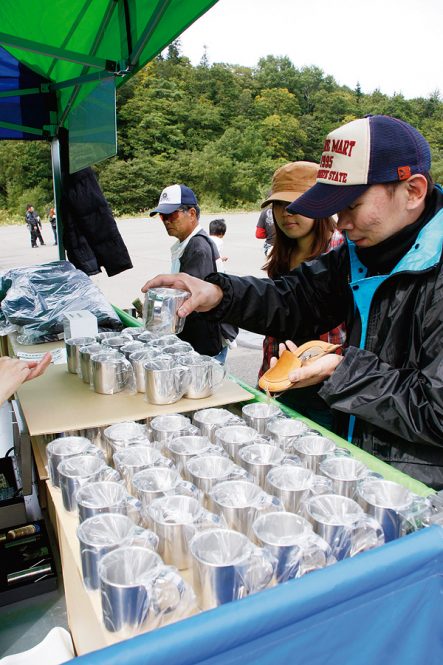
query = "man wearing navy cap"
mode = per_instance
[
  {"x": 194, "y": 254},
  {"x": 386, "y": 282}
]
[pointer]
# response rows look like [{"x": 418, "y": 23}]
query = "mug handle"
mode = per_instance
[
  {"x": 366, "y": 533},
  {"x": 258, "y": 571},
  {"x": 217, "y": 368},
  {"x": 416, "y": 516},
  {"x": 188, "y": 489},
  {"x": 133, "y": 507},
  {"x": 143, "y": 538},
  {"x": 168, "y": 593},
  {"x": 315, "y": 553}
]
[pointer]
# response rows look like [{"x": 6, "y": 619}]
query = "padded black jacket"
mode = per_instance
[{"x": 393, "y": 384}]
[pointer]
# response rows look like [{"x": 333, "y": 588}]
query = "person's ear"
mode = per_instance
[{"x": 417, "y": 187}]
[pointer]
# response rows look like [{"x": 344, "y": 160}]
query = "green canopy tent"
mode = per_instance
[{"x": 61, "y": 62}]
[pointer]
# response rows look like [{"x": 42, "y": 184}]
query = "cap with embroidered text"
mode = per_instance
[
  {"x": 373, "y": 150},
  {"x": 173, "y": 197}
]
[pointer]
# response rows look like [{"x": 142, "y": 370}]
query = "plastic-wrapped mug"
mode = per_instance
[
  {"x": 84, "y": 355},
  {"x": 294, "y": 484},
  {"x": 206, "y": 375},
  {"x": 241, "y": 502},
  {"x": 156, "y": 482},
  {"x": 290, "y": 539},
  {"x": 209, "y": 420},
  {"x": 182, "y": 448},
  {"x": 72, "y": 351},
  {"x": 74, "y": 472},
  {"x": 398, "y": 510},
  {"x": 285, "y": 431},
  {"x": 111, "y": 373},
  {"x": 106, "y": 496},
  {"x": 313, "y": 450},
  {"x": 343, "y": 524},
  {"x": 345, "y": 474},
  {"x": 165, "y": 381},
  {"x": 175, "y": 519},
  {"x": 258, "y": 414},
  {"x": 207, "y": 470},
  {"x": 227, "y": 566},
  {"x": 233, "y": 437},
  {"x": 168, "y": 426},
  {"x": 116, "y": 342},
  {"x": 260, "y": 458},
  {"x": 138, "y": 590},
  {"x": 124, "y": 434},
  {"x": 129, "y": 461},
  {"x": 65, "y": 447},
  {"x": 104, "y": 533},
  {"x": 137, "y": 360}
]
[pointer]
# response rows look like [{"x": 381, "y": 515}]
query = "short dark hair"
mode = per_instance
[
  {"x": 29, "y": 205},
  {"x": 188, "y": 207},
  {"x": 217, "y": 227}
]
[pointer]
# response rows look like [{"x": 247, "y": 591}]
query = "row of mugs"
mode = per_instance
[{"x": 165, "y": 371}]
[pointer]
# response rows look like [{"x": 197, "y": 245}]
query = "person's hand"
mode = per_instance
[
  {"x": 224, "y": 258},
  {"x": 14, "y": 372},
  {"x": 314, "y": 370},
  {"x": 204, "y": 296}
]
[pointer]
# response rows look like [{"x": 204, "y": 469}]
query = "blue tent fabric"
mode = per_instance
[
  {"x": 29, "y": 110},
  {"x": 383, "y": 606}
]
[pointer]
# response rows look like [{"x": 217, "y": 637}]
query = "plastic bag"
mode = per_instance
[{"x": 35, "y": 298}]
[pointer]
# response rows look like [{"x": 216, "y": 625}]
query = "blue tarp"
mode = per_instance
[{"x": 383, "y": 606}]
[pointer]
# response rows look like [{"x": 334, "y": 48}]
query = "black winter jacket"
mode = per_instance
[
  {"x": 199, "y": 260},
  {"x": 394, "y": 383},
  {"x": 90, "y": 234}
]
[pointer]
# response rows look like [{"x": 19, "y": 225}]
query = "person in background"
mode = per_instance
[
  {"x": 298, "y": 239},
  {"x": 14, "y": 372},
  {"x": 53, "y": 223},
  {"x": 385, "y": 282},
  {"x": 217, "y": 231},
  {"x": 265, "y": 229},
  {"x": 34, "y": 225},
  {"x": 195, "y": 254}
]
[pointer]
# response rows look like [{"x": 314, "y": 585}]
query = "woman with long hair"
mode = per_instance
[{"x": 298, "y": 239}]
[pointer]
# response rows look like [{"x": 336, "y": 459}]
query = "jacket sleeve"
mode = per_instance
[
  {"x": 408, "y": 402},
  {"x": 308, "y": 302}
]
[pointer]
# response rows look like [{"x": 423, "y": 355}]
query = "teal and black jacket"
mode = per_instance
[{"x": 387, "y": 393}]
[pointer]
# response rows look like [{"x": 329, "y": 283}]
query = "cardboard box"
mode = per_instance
[{"x": 79, "y": 324}]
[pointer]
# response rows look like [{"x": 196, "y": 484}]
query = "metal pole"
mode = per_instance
[{"x": 59, "y": 156}]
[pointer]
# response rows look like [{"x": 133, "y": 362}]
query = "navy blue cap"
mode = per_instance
[
  {"x": 373, "y": 150},
  {"x": 173, "y": 197}
]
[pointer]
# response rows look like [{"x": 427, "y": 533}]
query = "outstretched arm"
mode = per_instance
[
  {"x": 204, "y": 296},
  {"x": 14, "y": 372}
]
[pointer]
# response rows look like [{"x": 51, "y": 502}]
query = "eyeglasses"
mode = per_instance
[{"x": 171, "y": 216}]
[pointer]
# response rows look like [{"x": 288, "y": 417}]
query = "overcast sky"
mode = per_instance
[{"x": 392, "y": 45}]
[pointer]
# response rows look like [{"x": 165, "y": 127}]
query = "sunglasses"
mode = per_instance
[{"x": 171, "y": 216}]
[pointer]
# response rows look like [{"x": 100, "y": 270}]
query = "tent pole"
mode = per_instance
[{"x": 60, "y": 168}]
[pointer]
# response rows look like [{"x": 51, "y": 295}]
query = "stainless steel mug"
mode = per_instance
[
  {"x": 105, "y": 496},
  {"x": 65, "y": 447},
  {"x": 170, "y": 425},
  {"x": 129, "y": 461},
  {"x": 206, "y": 375},
  {"x": 209, "y": 420},
  {"x": 258, "y": 414},
  {"x": 110, "y": 374},
  {"x": 84, "y": 354},
  {"x": 397, "y": 509},
  {"x": 313, "y": 450},
  {"x": 182, "y": 448},
  {"x": 76, "y": 471},
  {"x": 205, "y": 471},
  {"x": 165, "y": 381},
  {"x": 344, "y": 473},
  {"x": 175, "y": 519},
  {"x": 72, "y": 351},
  {"x": 227, "y": 566},
  {"x": 343, "y": 524},
  {"x": 160, "y": 310},
  {"x": 260, "y": 458},
  {"x": 104, "y": 533},
  {"x": 137, "y": 588},
  {"x": 293, "y": 484},
  {"x": 155, "y": 482},
  {"x": 179, "y": 348},
  {"x": 131, "y": 347},
  {"x": 233, "y": 437},
  {"x": 124, "y": 434},
  {"x": 137, "y": 360},
  {"x": 241, "y": 502},
  {"x": 285, "y": 431},
  {"x": 116, "y": 342},
  {"x": 290, "y": 539}
]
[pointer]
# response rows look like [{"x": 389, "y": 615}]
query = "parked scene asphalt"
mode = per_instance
[{"x": 148, "y": 245}]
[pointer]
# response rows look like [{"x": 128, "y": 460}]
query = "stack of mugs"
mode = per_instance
[{"x": 186, "y": 514}]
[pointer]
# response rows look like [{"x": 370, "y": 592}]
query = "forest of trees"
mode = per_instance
[{"x": 221, "y": 129}]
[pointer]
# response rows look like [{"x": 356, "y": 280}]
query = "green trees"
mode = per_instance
[{"x": 222, "y": 129}]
